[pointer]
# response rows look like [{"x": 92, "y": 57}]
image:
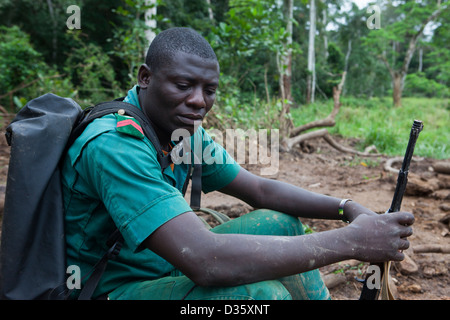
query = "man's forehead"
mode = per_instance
[
  {"x": 181, "y": 55},
  {"x": 186, "y": 63}
]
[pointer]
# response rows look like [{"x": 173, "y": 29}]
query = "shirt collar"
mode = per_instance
[{"x": 133, "y": 97}]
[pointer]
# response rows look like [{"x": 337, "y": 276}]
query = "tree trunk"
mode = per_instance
[
  {"x": 150, "y": 21},
  {"x": 210, "y": 10},
  {"x": 397, "y": 88},
  {"x": 310, "y": 81},
  {"x": 324, "y": 31},
  {"x": 54, "y": 31},
  {"x": 398, "y": 76},
  {"x": 419, "y": 69},
  {"x": 287, "y": 75},
  {"x": 285, "y": 70}
]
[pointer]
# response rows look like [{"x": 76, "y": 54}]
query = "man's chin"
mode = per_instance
[
  {"x": 184, "y": 131},
  {"x": 191, "y": 126}
]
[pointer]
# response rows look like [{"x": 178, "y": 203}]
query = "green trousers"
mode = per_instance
[{"x": 304, "y": 286}]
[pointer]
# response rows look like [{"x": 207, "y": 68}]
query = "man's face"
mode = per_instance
[{"x": 180, "y": 93}]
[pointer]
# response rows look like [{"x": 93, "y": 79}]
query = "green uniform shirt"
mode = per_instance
[{"x": 111, "y": 177}]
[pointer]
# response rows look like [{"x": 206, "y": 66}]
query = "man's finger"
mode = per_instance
[
  {"x": 403, "y": 244},
  {"x": 398, "y": 256},
  {"x": 404, "y": 218},
  {"x": 406, "y": 232}
]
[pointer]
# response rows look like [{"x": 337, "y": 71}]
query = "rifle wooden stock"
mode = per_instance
[{"x": 402, "y": 180}]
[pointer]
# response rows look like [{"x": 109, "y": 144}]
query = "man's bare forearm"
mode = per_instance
[
  {"x": 276, "y": 195},
  {"x": 249, "y": 258},
  {"x": 212, "y": 259},
  {"x": 296, "y": 201},
  {"x": 303, "y": 203}
]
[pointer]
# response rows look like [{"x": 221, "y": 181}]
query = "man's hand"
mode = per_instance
[
  {"x": 353, "y": 209},
  {"x": 378, "y": 238}
]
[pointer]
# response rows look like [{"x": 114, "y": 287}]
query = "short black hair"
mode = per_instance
[{"x": 168, "y": 42}]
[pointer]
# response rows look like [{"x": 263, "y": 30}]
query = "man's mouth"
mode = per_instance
[{"x": 191, "y": 119}]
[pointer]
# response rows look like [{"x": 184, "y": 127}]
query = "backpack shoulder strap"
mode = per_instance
[
  {"x": 105, "y": 108},
  {"x": 115, "y": 242}
]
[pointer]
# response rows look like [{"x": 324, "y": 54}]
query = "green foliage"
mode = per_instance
[
  {"x": 91, "y": 72},
  {"x": 19, "y": 61},
  {"x": 252, "y": 32},
  {"x": 438, "y": 61},
  {"x": 232, "y": 110},
  {"x": 176, "y": 13},
  {"x": 307, "y": 229},
  {"x": 101, "y": 60},
  {"x": 417, "y": 85},
  {"x": 248, "y": 44},
  {"x": 402, "y": 21},
  {"x": 130, "y": 43},
  {"x": 23, "y": 73},
  {"x": 335, "y": 59}
]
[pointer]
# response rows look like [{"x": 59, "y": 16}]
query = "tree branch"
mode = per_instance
[
  {"x": 431, "y": 248},
  {"x": 23, "y": 85},
  {"x": 413, "y": 41},
  {"x": 388, "y": 66},
  {"x": 323, "y": 133},
  {"x": 329, "y": 121}
]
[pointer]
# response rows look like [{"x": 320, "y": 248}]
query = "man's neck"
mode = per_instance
[{"x": 162, "y": 137}]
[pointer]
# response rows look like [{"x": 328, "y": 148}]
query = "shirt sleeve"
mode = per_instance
[{"x": 125, "y": 174}]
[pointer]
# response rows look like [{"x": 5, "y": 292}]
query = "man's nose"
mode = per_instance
[{"x": 196, "y": 99}]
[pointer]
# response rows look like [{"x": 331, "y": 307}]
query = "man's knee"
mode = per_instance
[
  {"x": 263, "y": 290},
  {"x": 268, "y": 290},
  {"x": 278, "y": 223}
]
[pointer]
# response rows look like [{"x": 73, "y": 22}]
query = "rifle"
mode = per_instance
[{"x": 373, "y": 293}]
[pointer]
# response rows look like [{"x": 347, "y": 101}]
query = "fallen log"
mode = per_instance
[
  {"x": 407, "y": 266},
  {"x": 431, "y": 248},
  {"x": 323, "y": 133},
  {"x": 333, "y": 280},
  {"x": 295, "y": 137},
  {"x": 341, "y": 148},
  {"x": 388, "y": 166},
  {"x": 442, "y": 167}
]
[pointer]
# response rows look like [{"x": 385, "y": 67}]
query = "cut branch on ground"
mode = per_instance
[{"x": 296, "y": 136}]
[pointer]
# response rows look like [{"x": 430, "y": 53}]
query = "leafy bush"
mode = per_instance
[
  {"x": 236, "y": 109},
  {"x": 91, "y": 72},
  {"x": 417, "y": 84},
  {"x": 19, "y": 61}
]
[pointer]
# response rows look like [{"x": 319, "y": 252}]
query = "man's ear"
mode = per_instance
[{"x": 144, "y": 76}]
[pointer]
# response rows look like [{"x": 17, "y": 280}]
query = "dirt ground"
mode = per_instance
[{"x": 331, "y": 172}]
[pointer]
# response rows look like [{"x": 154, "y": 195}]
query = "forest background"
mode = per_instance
[{"x": 282, "y": 61}]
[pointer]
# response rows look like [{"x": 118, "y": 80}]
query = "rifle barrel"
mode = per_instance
[{"x": 402, "y": 180}]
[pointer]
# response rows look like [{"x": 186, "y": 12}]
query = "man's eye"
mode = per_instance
[
  {"x": 210, "y": 92},
  {"x": 182, "y": 86}
]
